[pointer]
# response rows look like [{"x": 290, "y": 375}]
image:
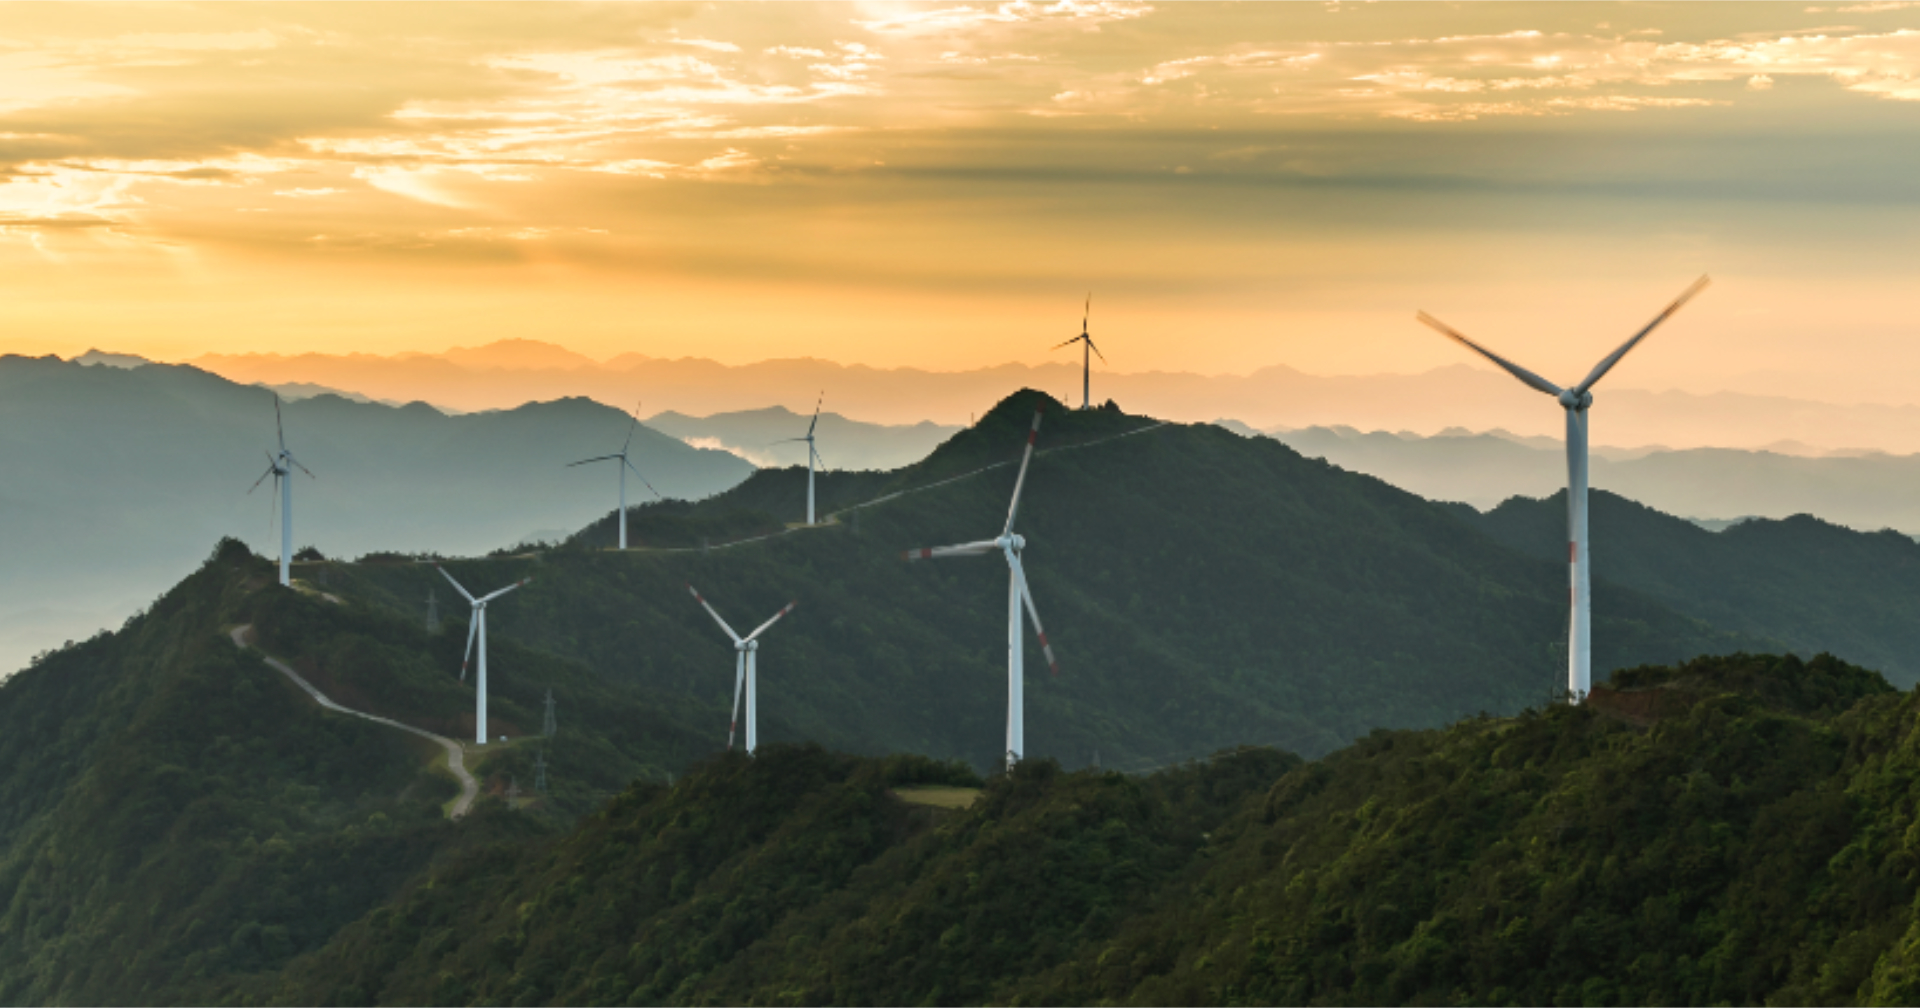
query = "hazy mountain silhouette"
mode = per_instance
[
  {"x": 758, "y": 436},
  {"x": 1866, "y": 490},
  {"x": 117, "y": 478},
  {"x": 515, "y": 371}
]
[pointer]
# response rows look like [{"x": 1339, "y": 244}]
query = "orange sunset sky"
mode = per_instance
[{"x": 939, "y": 185}]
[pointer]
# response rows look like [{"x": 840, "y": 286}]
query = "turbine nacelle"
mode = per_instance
[
  {"x": 1014, "y": 542},
  {"x": 1575, "y": 400}
]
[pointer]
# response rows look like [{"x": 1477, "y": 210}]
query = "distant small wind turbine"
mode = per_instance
[
  {"x": 281, "y": 468},
  {"x": 812, "y": 454},
  {"x": 477, "y": 627},
  {"x": 624, "y": 466},
  {"x": 1576, "y": 401},
  {"x": 1086, "y": 359},
  {"x": 1018, "y": 594},
  {"x": 744, "y": 674}
]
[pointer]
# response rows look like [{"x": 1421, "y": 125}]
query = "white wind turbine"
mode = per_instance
[
  {"x": 624, "y": 466},
  {"x": 1018, "y": 595},
  {"x": 281, "y": 468},
  {"x": 812, "y": 455},
  {"x": 1086, "y": 359},
  {"x": 1576, "y": 400},
  {"x": 744, "y": 674},
  {"x": 477, "y": 627}
]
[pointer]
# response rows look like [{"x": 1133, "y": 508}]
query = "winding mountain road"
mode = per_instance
[{"x": 469, "y": 788}]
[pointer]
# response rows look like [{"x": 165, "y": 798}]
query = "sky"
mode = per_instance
[{"x": 941, "y": 185}]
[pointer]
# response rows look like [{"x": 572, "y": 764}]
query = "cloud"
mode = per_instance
[
  {"x": 708, "y": 44},
  {"x": 918, "y": 20}
]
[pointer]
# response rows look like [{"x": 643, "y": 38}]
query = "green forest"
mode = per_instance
[{"x": 1300, "y": 750}]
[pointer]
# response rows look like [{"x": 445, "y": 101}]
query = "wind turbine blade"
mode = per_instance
[
  {"x": 1020, "y": 482},
  {"x": 715, "y": 615},
  {"x": 816, "y": 413},
  {"x": 505, "y": 590},
  {"x": 785, "y": 441},
  {"x": 980, "y": 548},
  {"x": 596, "y": 458},
  {"x": 643, "y": 479},
  {"x": 278, "y": 428},
  {"x": 263, "y": 477},
  {"x": 1599, "y": 370},
  {"x": 1070, "y": 342},
  {"x": 1087, "y": 313},
  {"x": 1026, "y": 595},
  {"x": 1511, "y": 368},
  {"x": 631, "y": 428},
  {"x": 817, "y": 457},
  {"x": 776, "y": 618},
  {"x": 473, "y": 628},
  {"x": 456, "y": 584},
  {"x": 297, "y": 465},
  {"x": 1096, "y": 350}
]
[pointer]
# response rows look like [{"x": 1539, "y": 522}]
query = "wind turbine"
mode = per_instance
[
  {"x": 281, "y": 468},
  {"x": 477, "y": 627},
  {"x": 1086, "y": 360},
  {"x": 1018, "y": 594},
  {"x": 1576, "y": 400},
  {"x": 624, "y": 466},
  {"x": 744, "y": 677},
  {"x": 812, "y": 455}
]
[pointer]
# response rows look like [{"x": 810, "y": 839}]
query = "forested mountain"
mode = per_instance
[
  {"x": 1200, "y": 589},
  {"x": 1812, "y": 585},
  {"x": 171, "y": 803},
  {"x": 1733, "y": 830},
  {"x": 118, "y": 479}
]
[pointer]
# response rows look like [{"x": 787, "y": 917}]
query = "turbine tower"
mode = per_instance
[
  {"x": 1086, "y": 359},
  {"x": 477, "y": 627},
  {"x": 812, "y": 455},
  {"x": 744, "y": 676},
  {"x": 281, "y": 468},
  {"x": 1576, "y": 400},
  {"x": 624, "y": 466},
  {"x": 1019, "y": 594}
]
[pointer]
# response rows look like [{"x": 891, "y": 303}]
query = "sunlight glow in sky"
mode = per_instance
[{"x": 940, "y": 184}]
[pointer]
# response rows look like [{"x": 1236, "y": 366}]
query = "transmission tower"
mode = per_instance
[
  {"x": 548, "y": 726},
  {"x": 433, "y": 612},
  {"x": 540, "y": 772}
]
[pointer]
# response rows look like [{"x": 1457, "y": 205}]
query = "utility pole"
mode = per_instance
[
  {"x": 433, "y": 612},
  {"x": 548, "y": 726}
]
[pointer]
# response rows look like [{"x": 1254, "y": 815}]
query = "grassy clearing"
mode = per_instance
[{"x": 938, "y": 796}]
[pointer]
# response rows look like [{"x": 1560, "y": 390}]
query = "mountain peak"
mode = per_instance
[{"x": 510, "y": 354}]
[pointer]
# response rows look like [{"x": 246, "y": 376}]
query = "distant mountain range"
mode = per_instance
[
  {"x": 511, "y": 372},
  {"x": 1863, "y": 490},
  {"x": 765, "y": 438},
  {"x": 117, "y": 478}
]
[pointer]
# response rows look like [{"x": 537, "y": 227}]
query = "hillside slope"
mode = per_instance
[
  {"x": 119, "y": 478},
  {"x": 1730, "y": 830},
  {"x": 1201, "y": 590},
  {"x": 1810, "y": 584},
  {"x": 170, "y": 804}
]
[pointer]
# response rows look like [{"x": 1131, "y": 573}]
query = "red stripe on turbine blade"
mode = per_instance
[{"x": 1573, "y": 552}]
